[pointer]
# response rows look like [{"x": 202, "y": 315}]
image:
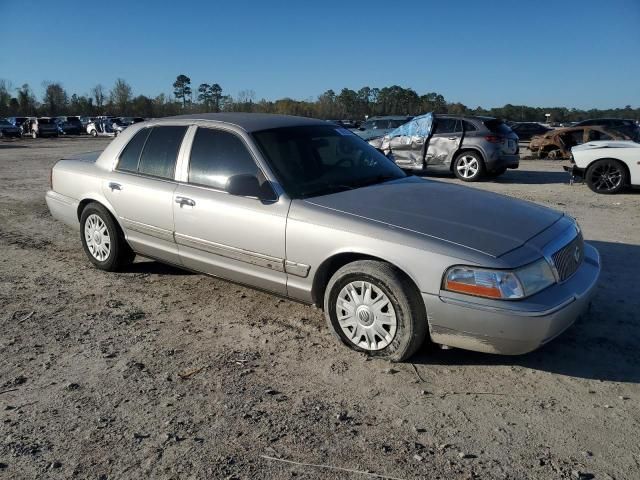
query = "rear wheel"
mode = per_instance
[
  {"x": 34, "y": 134},
  {"x": 373, "y": 308},
  {"x": 468, "y": 166},
  {"x": 102, "y": 240},
  {"x": 94, "y": 133},
  {"x": 606, "y": 176}
]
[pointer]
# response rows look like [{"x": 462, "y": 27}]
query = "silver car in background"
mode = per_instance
[{"x": 308, "y": 210}]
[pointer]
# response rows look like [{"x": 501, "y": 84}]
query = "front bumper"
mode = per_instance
[{"x": 516, "y": 327}]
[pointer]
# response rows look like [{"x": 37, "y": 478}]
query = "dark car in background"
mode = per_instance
[
  {"x": 40, "y": 127},
  {"x": 8, "y": 129},
  {"x": 526, "y": 130},
  {"x": 376, "y": 127},
  {"x": 629, "y": 127},
  {"x": 470, "y": 147},
  {"x": 69, "y": 125}
]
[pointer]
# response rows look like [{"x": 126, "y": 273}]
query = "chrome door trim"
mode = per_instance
[
  {"x": 297, "y": 269},
  {"x": 146, "y": 229},
  {"x": 234, "y": 253}
]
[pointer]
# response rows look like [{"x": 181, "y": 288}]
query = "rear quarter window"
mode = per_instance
[
  {"x": 498, "y": 127},
  {"x": 160, "y": 151},
  {"x": 131, "y": 154}
]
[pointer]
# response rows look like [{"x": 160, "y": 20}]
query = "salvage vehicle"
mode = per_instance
[
  {"x": 629, "y": 127},
  {"x": 606, "y": 166},
  {"x": 101, "y": 127},
  {"x": 40, "y": 127},
  {"x": 8, "y": 130},
  {"x": 526, "y": 130},
  {"x": 377, "y": 127},
  {"x": 470, "y": 147},
  {"x": 308, "y": 210},
  {"x": 557, "y": 144}
]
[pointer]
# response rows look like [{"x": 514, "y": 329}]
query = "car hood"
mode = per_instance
[
  {"x": 606, "y": 144},
  {"x": 482, "y": 221}
]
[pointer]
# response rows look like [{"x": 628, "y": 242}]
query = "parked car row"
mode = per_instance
[{"x": 64, "y": 125}]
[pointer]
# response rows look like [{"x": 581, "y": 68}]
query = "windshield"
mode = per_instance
[
  {"x": 318, "y": 160},
  {"x": 383, "y": 124}
]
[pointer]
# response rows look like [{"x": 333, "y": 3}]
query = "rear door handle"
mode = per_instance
[
  {"x": 115, "y": 186},
  {"x": 185, "y": 201}
]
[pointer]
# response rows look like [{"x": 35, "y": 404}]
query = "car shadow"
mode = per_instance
[
  {"x": 602, "y": 345},
  {"x": 153, "y": 267},
  {"x": 11, "y": 145},
  {"x": 532, "y": 177}
]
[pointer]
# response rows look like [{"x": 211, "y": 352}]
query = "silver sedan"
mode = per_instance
[{"x": 308, "y": 210}]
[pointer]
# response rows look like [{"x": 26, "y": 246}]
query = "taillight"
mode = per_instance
[{"x": 493, "y": 139}]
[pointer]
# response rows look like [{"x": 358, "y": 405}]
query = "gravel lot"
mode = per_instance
[{"x": 160, "y": 373}]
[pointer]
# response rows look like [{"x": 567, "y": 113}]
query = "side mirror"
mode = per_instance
[{"x": 243, "y": 185}]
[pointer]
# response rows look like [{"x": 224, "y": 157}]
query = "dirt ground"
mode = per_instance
[{"x": 160, "y": 373}]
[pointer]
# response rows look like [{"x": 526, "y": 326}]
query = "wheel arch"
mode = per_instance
[
  {"x": 623, "y": 163},
  {"x": 101, "y": 201},
  {"x": 332, "y": 264},
  {"x": 467, "y": 149}
]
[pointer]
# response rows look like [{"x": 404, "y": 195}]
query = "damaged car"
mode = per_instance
[
  {"x": 606, "y": 166},
  {"x": 471, "y": 148},
  {"x": 557, "y": 144}
]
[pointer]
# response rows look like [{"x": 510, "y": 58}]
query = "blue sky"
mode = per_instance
[{"x": 574, "y": 53}]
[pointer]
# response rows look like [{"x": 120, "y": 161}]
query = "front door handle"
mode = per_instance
[
  {"x": 115, "y": 186},
  {"x": 185, "y": 201}
]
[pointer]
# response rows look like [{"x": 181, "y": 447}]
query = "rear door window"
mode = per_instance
[
  {"x": 445, "y": 125},
  {"x": 217, "y": 155},
  {"x": 160, "y": 152},
  {"x": 131, "y": 154}
]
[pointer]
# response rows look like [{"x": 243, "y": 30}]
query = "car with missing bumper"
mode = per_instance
[
  {"x": 308, "y": 210},
  {"x": 606, "y": 166},
  {"x": 8, "y": 130}
]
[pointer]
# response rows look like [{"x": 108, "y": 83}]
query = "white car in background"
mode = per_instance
[{"x": 607, "y": 166}]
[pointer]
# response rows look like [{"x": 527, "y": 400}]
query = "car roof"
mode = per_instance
[
  {"x": 466, "y": 117},
  {"x": 389, "y": 117},
  {"x": 250, "y": 122}
]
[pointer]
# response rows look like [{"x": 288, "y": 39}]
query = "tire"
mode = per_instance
[
  {"x": 607, "y": 176},
  {"x": 107, "y": 248},
  {"x": 398, "y": 301},
  {"x": 34, "y": 135},
  {"x": 469, "y": 166},
  {"x": 94, "y": 133}
]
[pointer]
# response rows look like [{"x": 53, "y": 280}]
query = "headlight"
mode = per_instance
[{"x": 499, "y": 284}]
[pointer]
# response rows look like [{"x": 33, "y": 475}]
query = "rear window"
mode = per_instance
[{"x": 498, "y": 127}]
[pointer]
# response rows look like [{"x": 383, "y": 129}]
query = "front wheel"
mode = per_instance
[
  {"x": 468, "y": 167},
  {"x": 102, "y": 240},
  {"x": 34, "y": 135},
  {"x": 373, "y": 308},
  {"x": 606, "y": 176},
  {"x": 94, "y": 133}
]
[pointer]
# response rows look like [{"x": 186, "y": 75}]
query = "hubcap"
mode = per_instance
[
  {"x": 97, "y": 237},
  {"x": 606, "y": 177},
  {"x": 467, "y": 166},
  {"x": 366, "y": 315}
]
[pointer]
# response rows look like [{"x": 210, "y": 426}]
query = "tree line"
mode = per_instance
[{"x": 210, "y": 97}]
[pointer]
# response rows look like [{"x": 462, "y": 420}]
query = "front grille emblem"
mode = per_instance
[{"x": 576, "y": 254}]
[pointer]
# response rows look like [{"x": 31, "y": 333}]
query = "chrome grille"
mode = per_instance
[{"x": 569, "y": 258}]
